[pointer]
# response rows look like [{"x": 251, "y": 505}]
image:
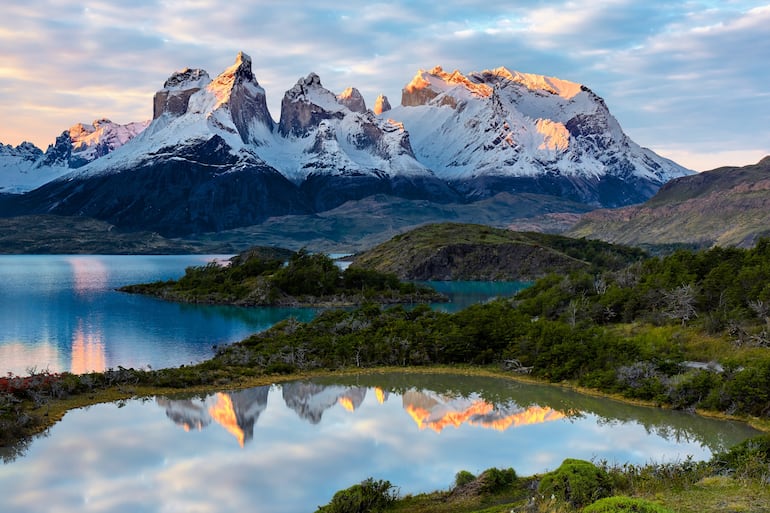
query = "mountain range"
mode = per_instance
[{"x": 213, "y": 158}]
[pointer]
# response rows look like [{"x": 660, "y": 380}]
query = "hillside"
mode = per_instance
[
  {"x": 452, "y": 251},
  {"x": 47, "y": 234},
  {"x": 728, "y": 206}
]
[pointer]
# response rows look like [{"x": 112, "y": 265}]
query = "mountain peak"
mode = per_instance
[
  {"x": 237, "y": 74},
  {"x": 352, "y": 99},
  {"x": 533, "y": 82},
  {"x": 381, "y": 104},
  {"x": 306, "y": 104},
  {"x": 176, "y": 92},
  {"x": 427, "y": 85},
  {"x": 187, "y": 79}
]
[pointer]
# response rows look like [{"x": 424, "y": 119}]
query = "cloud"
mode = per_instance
[{"x": 690, "y": 71}]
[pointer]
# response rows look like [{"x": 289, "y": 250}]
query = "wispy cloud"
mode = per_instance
[{"x": 690, "y": 71}]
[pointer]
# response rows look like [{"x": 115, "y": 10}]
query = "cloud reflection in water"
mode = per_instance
[{"x": 301, "y": 443}]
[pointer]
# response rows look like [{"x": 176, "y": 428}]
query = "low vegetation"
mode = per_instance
[
  {"x": 735, "y": 480},
  {"x": 253, "y": 278}
]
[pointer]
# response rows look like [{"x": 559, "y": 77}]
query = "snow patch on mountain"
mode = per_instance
[
  {"x": 26, "y": 167},
  {"x": 510, "y": 124}
]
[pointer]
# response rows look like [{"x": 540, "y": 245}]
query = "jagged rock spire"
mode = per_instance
[
  {"x": 352, "y": 99},
  {"x": 381, "y": 104}
]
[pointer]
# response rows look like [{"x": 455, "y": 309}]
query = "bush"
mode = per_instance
[
  {"x": 369, "y": 496},
  {"x": 577, "y": 482},
  {"x": 463, "y": 477},
  {"x": 750, "y": 458},
  {"x": 495, "y": 480},
  {"x": 623, "y": 505}
]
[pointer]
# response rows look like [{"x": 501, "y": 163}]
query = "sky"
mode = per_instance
[{"x": 688, "y": 79}]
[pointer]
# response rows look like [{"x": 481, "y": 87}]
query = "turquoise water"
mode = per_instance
[
  {"x": 62, "y": 313},
  {"x": 288, "y": 448}
]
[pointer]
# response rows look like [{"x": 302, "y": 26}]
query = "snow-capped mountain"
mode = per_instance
[
  {"x": 504, "y": 130},
  {"x": 26, "y": 167},
  {"x": 213, "y": 157}
]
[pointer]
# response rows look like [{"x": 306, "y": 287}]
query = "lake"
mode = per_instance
[
  {"x": 289, "y": 447},
  {"x": 281, "y": 448},
  {"x": 62, "y": 313}
]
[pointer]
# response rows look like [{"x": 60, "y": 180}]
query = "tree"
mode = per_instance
[{"x": 680, "y": 303}]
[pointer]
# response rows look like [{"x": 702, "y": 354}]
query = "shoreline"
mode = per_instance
[{"x": 54, "y": 411}]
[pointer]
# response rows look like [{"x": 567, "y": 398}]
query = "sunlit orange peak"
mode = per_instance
[
  {"x": 380, "y": 394},
  {"x": 223, "y": 413},
  {"x": 347, "y": 403},
  {"x": 533, "y": 415}
]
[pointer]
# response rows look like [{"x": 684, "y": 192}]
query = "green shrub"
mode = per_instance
[
  {"x": 577, "y": 482},
  {"x": 750, "y": 458},
  {"x": 495, "y": 480},
  {"x": 623, "y": 505},
  {"x": 463, "y": 477},
  {"x": 369, "y": 496}
]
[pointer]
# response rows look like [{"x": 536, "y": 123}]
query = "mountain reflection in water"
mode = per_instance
[
  {"x": 288, "y": 448},
  {"x": 238, "y": 412}
]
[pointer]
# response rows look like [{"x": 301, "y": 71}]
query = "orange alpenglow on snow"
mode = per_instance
[
  {"x": 347, "y": 403},
  {"x": 481, "y": 414},
  {"x": 223, "y": 413}
]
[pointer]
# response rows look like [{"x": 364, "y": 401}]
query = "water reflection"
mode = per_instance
[
  {"x": 236, "y": 412},
  {"x": 440, "y": 408},
  {"x": 87, "y": 350},
  {"x": 62, "y": 313},
  {"x": 288, "y": 448},
  {"x": 89, "y": 273}
]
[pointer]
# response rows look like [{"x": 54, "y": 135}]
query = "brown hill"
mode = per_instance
[{"x": 728, "y": 206}]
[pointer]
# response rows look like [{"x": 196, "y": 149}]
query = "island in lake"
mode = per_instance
[{"x": 264, "y": 277}]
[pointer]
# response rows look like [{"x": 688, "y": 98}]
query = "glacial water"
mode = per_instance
[
  {"x": 289, "y": 447},
  {"x": 62, "y": 313}
]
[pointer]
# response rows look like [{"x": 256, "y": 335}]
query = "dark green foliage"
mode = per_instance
[
  {"x": 714, "y": 286},
  {"x": 369, "y": 496},
  {"x": 624, "y": 505},
  {"x": 495, "y": 480},
  {"x": 308, "y": 274},
  {"x": 577, "y": 482},
  {"x": 750, "y": 458},
  {"x": 463, "y": 477},
  {"x": 252, "y": 278}
]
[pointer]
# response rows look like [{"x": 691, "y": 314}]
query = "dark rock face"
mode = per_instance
[
  {"x": 190, "y": 193},
  {"x": 609, "y": 191},
  {"x": 247, "y": 101},
  {"x": 299, "y": 115},
  {"x": 175, "y": 95},
  {"x": 352, "y": 99},
  {"x": 326, "y": 192},
  {"x": 59, "y": 153}
]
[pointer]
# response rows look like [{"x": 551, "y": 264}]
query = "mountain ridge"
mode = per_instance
[
  {"x": 211, "y": 138},
  {"x": 727, "y": 206}
]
